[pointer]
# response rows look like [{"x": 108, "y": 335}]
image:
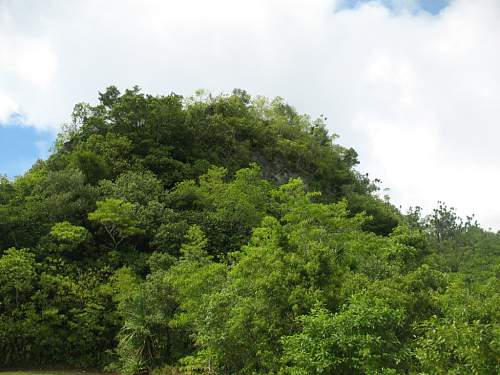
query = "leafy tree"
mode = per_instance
[
  {"x": 72, "y": 235},
  {"x": 362, "y": 338},
  {"x": 463, "y": 338},
  {"x": 135, "y": 187},
  {"x": 17, "y": 274},
  {"x": 117, "y": 218},
  {"x": 291, "y": 265}
]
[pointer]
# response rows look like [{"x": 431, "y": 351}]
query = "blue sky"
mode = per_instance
[
  {"x": 21, "y": 146},
  {"x": 430, "y": 6}
]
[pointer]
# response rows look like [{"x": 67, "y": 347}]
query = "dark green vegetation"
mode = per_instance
[
  {"x": 49, "y": 372},
  {"x": 231, "y": 235}
]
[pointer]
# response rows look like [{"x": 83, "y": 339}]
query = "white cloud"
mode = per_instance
[
  {"x": 7, "y": 107},
  {"x": 417, "y": 95}
]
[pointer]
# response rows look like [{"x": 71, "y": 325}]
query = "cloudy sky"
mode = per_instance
[{"x": 412, "y": 85}]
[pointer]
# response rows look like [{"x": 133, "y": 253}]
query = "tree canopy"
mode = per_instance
[{"x": 232, "y": 235}]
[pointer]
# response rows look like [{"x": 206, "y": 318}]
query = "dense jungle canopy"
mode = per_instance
[{"x": 232, "y": 235}]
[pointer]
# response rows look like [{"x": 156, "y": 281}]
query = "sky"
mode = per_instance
[{"x": 412, "y": 85}]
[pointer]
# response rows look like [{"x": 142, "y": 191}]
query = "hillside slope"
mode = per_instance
[{"x": 230, "y": 234}]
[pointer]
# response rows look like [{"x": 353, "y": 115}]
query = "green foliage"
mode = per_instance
[
  {"x": 73, "y": 235},
  {"x": 146, "y": 307},
  {"x": 361, "y": 338},
  {"x": 285, "y": 269},
  {"x": 58, "y": 318},
  {"x": 17, "y": 275},
  {"x": 193, "y": 276},
  {"x": 134, "y": 187},
  {"x": 464, "y": 338},
  {"x": 231, "y": 234},
  {"x": 117, "y": 218}
]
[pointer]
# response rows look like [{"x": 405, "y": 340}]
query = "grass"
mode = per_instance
[{"x": 50, "y": 372}]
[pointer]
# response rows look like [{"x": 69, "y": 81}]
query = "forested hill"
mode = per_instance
[{"x": 230, "y": 235}]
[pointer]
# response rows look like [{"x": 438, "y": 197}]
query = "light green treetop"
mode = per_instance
[{"x": 118, "y": 219}]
